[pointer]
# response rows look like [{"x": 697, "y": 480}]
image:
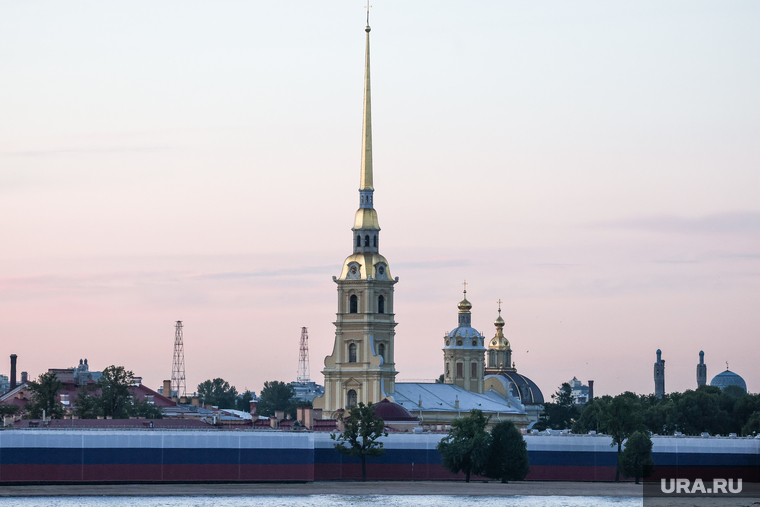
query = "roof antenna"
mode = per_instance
[{"x": 368, "y": 7}]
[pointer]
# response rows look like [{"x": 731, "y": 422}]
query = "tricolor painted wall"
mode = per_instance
[{"x": 206, "y": 456}]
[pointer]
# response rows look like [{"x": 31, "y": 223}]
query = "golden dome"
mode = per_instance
[
  {"x": 499, "y": 322},
  {"x": 464, "y": 305},
  {"x": 361, "y": 266}
]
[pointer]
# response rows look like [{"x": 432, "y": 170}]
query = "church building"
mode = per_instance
[{"x": 361, "y": 367}]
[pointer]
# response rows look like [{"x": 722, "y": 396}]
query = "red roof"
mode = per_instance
[{"x": 390, "y": 412}]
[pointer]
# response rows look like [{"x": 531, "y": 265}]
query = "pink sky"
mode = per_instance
[{"x": 595, "y": 166}]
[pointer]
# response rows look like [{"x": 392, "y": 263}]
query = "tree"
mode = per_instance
[
  {"x": 44, "y": 392},
  {"x": 465, "y": 448},
  {"x": 277, "y": 395},
  {"x": 753, "y": 425},
  {"x": 361, "y": 434},
  {"x": 560, "y": 413},
  {"x": 636, "y": 460},
  {"x": 508, "y": 454},
  {"x": 8, "y": 410},
  {"x": 143, "y": 408},
  {"x": 217, "y": 393},
  {"x": 621, "y": 417},
  {"x": 243, "y": 401},
  {"x": 116, "y": 391},
  {"x": 591, "y": 416},
  {"x": 87, "y": 405}
]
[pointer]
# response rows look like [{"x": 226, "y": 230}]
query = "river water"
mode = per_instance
[{"x": 324, "y": 501}]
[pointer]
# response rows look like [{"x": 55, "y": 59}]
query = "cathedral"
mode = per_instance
[{"x": 478, "y": 373}]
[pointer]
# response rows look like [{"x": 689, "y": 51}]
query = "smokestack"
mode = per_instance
[
  {"x": 167, "y": 390},
  {"x": 590, "y": 390},
  {"x": 13, "y": 371},
  {"x": 24, "y": 377}
]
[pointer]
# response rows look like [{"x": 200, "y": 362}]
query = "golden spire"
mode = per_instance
[{"x": 366, "y": 177}]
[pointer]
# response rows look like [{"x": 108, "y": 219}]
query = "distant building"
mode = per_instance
[
  {"x": 81, "y": 375},
  {"x": 659, "y": 375},
  {"x": 307, "y": 391},
  {"x": 5, "y": 384},
  {"x": 580, "y": 391},
  {"x": 728, "y": 378},
  {"x": 701, "y": 369}
]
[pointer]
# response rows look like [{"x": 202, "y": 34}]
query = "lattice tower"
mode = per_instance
[
  {"x": 303, "y": 357},
  {"x": 178, "y": 364}
]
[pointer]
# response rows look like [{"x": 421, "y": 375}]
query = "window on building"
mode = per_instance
[
  {"x": 460, "y": 370},
  {"x": 374, "y": 241},
  {"x": 366, "y": 240},
  {"x": 459, "y": 342},
  {"x": 381, "y": 304},
  {"x": 352, "y": 353},
  {"x": 381, "y": 350},
  {"x": 474, "y": 370},
  {"x": 448, "y": 369},
  {"x": 491, "y": 358},
  {"x": 358, "y": 241},
  {"x": 353, "y": 304},
  {"x": 474, "y": 343},
  {"x": 350, "y": 398}
]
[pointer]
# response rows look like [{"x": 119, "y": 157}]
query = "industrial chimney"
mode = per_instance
[
  {"x": 24, "y": 377},
  {"x": 590, "y": 390},
  {"x": 13, "y": 371}
]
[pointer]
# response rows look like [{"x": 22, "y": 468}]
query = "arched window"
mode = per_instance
[
  {"x": 474, "y": 343},
  {"x": 366, "y": 240},
  {"x": 448, "y": 369},
  {"x": 474, "y": 370},
  {"x": 352, "y": 353},
  {"x": 460, "y": 370},
  {"x": 381, "y": 304},
  {"x": 358, "y": 241},
  {"x": 491, "y": 358},
  {"x": 374, "y": 241},
  {"x": 353, "y": 304},
  {"x": 459, "y": 342},
  {"x": 350, "y": 398},
  {"x": 381, "y": 350}
]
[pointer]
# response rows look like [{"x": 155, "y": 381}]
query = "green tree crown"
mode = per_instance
[{"x": 361, "y": 434}]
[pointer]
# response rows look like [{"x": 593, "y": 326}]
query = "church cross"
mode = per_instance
[
  {"x": 368, "y": 8},
  {"x": 500, "y": 302},
  {"x": 465, "y": 286}
]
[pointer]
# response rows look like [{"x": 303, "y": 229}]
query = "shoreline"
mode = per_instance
[{"x": 350, "y": 488}]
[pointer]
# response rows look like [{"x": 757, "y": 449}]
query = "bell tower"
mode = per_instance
[
  {"x": 361, "y": 367},
  {"x": 499, "y": 355}
]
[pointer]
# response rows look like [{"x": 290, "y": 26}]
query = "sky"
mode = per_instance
[{"x": 595, "y": 165}]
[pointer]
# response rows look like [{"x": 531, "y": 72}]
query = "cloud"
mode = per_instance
[{"x": 739, "y": 222}]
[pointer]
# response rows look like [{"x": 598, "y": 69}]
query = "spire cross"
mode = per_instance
[
  {"x": 465, "y": 286},
  {"x": 500, "y": 302},
  {"x": 368, "y": 6}
]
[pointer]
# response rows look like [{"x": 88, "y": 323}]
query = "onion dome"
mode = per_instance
[
  {"x": 392, "y": 412},
  {"x": 499, "y": 322},
  {"x": 464, "y": 305}
]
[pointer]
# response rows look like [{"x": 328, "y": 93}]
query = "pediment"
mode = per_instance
[{"x": 352, "y": 382}]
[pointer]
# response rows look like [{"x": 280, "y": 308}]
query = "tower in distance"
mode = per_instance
[{"x": 178, "y": 364}]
